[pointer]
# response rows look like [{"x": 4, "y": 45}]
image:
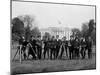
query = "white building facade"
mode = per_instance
[{"x": 62, "y": 32}]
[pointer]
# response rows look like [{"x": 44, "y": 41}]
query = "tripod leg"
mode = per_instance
[
  {"x": 15, "y": 54},
  {"x": 20, "y": 54},
  {"x": 36, "y": 54},
  {"x": 34, "y": 51}
]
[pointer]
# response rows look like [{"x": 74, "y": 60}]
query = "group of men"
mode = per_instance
[{"x": 54, "y": 48}]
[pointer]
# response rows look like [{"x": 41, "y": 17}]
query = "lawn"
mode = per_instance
[{"x": 37, "y": 66}]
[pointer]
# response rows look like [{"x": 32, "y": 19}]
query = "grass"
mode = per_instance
[{"x": 38, "y": 66}]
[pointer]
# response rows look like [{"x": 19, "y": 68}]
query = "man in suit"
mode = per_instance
[
  {"x": 32, "y": 47},
  {"x": 52, "y": 45},
  {"x": 24, "y": 45},
  {"x": 46, "y": 47},
  {"x": 58, "y": 44},
  {"x": 89, "y": 47},
  {"x": 39, "y": 47},
  {"x": 71, "y": 47},
  {"x": 76, "y": 47},
  {"x": 83, "y": 47}
]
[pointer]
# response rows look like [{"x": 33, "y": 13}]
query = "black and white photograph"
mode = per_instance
[{"x": 52, "y": 37}]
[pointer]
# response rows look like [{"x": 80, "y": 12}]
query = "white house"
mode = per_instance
[{"x": 61, "y": 31}]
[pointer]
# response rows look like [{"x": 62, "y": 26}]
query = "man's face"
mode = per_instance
[
  {"x": 76, "y": 39},
  {"x": 89, "y": 38},
  {"x": 53, "y": 38},
  {"x": 32, "y": 38},
  {"x": 23, "y": 38},
  {"x": 83, "y": 39},
  {"x": 57, "y": 37},
  {"x": 71, "y": 38}
]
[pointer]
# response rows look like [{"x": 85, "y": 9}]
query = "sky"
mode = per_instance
[{"x": 54, "y": 15}]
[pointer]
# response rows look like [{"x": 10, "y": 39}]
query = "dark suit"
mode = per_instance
[
  {"x": 71, "y": 49},
  {"x": 46, "y": 48},
  {"x": 32, "y": 48},
  {"x": 58, "y": 44},
  {"x": 89, "y": 47},
  {"x": 39, "y": 48},
  {"x": 52, "y": 48},
  {"x": 83, "y": 48},
  {"x": 76, "y": 48}
]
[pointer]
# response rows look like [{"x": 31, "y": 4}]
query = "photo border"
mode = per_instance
[{"x": 44, "y": 2}]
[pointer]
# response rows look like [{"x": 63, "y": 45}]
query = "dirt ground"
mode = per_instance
[{"x": 38, "y": 66}]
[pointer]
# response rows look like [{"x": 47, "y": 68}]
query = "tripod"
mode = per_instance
[{"x": 20, "y": 53}]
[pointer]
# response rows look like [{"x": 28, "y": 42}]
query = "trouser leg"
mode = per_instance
[
  {"x": 66, "y": 50},
  {"x": 73, "y": 53},
  {"x": 39, "y": 52},
  {"x": 83, "y": 52},
  {"x": 48, "y": 53},
  {"x": 89, "y": 53},
  {"x": 57, "y": 51},
  {"x": 44, "y": 53},
  {"x": 77, "y": 52},
  {"x": 51, "y": 52},
  {"x": 70, "y": 52}
]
